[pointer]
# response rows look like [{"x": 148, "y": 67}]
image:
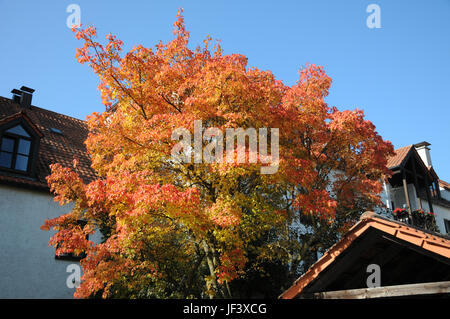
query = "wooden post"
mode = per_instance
[
  {"x": 428, "y": 195},
  {"x": 416, "y": 184},
  {"x": 408, "y": 202},
  {"x": 436, "y": 184}
]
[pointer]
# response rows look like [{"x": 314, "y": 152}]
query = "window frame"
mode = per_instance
[{"x": 15, "y": 152}]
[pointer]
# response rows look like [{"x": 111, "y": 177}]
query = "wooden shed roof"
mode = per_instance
[{"x": 406, "y": 255}]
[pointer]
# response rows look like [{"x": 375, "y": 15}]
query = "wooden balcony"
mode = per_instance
[{"x": 418, "y": 218}]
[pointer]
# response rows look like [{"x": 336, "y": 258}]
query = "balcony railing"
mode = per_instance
[{"x": 418, "y": 218}]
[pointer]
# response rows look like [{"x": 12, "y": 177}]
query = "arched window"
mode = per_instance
[{"x": 16, "y": 149}]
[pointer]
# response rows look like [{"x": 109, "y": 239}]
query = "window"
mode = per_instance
[
  {"x": 447, "y": 226},
  {"x": 72, "y": 256},
  {"x": 15, "y": 149}
]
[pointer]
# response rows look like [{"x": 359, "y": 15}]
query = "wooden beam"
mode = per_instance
[
  {"x": 411, "y": 172},
  {"x": 427, "y": 189},
  {"x": 416, "y": 184},
  {"x": 417, "y": 248},
  {"x": 408, "y": 202},
  {"x": 440, "y": 287},
  {"x": 436, "y": 185}
]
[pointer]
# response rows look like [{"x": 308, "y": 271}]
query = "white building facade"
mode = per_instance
[
  {"x": 31, "y": 139},
  {"x": 28, "y": 266}
]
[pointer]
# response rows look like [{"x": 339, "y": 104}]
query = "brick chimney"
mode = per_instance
[{"x": 23, "y": 96}]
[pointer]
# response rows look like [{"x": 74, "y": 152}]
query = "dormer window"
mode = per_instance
[
  {"x": 19, "y": 142},
  {"x": 15, "y": 149}
]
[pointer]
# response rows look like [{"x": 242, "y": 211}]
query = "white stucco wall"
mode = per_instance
[{"x": 27, "y": 266}]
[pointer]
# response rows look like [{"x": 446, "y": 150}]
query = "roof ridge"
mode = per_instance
[
  {"x": 43, "y": 109},
  {"x": 403, "y": 147}
]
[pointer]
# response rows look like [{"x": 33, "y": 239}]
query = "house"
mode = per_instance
[
  {"x": 410, "y": 262},
  {"x": 414, "y": 185},
  {"x": 412, "y": 255},
  {"x": 32, "y": 138}
]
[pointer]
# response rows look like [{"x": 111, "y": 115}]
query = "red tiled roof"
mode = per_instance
[
  {"x": 433, "y": 242},
  {"x": 399, "y": 157},
  {"x": 444, "y": 184},
  {"x": 53, "y": 147}
]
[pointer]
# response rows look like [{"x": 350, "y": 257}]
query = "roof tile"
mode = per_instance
[{"x": 400, "y": 155}]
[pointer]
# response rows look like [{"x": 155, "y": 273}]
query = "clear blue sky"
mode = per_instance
[{"x": 398, "y": 74}]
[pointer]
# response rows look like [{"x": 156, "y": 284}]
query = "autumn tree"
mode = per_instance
[{"x": 186, "y": 229}]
